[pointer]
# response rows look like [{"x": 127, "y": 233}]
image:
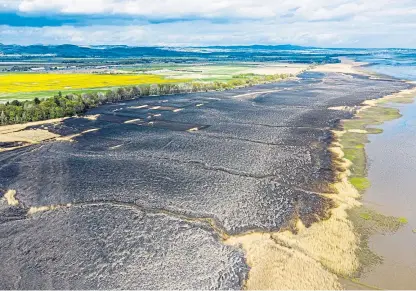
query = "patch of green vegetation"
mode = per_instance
[
  {"x": 402, "y": 220},
  {"x": 380, "y": 114},
  {"x": 404, "y": 99},
  {"x": 360, "y": 183},
  {"x": 367, "y": 287},
  {"x": 366, "y": 216},
  {"x": 356, "y": 136},
  {"x": 414, "y": 230},
  {"x": 358, "y": 158},
  {"x": 354, "y": 124},
  {"x": 368, "y": 222},
  {"x": 375, "y": 115},
  {"x": 374, "y": 130},
  {"x": 352, "y": 139}
]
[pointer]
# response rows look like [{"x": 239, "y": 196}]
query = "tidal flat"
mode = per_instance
[{"x": 181, "y": 188}]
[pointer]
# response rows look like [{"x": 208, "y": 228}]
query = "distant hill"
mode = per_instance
[
  {"x": 69, "y": 50},
  {"x": 73, "y": 51},
  {"x": 257, "y": 53},
  {"x": 266, "y": 47}
]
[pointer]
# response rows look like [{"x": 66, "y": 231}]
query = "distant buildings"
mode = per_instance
[{"x": 38, "y": 69}]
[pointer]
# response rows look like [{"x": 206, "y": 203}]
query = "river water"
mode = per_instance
[{"x": 392, "y": 172}]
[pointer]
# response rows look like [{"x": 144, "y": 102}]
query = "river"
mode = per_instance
[{"x": 392, "y": 171}]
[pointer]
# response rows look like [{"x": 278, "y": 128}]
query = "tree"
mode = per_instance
[
  {"x": 3, "y": 118},
  {"x": 135, "y": 92},
  {"x": 15, "y": 103}
]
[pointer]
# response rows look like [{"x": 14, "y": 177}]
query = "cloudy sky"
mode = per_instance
[{"x": 326, "y": 23}]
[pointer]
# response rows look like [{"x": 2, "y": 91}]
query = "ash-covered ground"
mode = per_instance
[{"x": 163, "y": 179}]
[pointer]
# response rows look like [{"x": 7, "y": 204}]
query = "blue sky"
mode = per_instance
[{"x": 326, "y": 23}]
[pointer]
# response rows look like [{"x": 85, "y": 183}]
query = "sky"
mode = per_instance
[{"x": 322, "y": 23}]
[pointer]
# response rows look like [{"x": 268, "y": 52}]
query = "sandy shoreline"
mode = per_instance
[{"x": 346, "y": 66}]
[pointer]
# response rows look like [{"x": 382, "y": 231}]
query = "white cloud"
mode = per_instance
[
  {"x": 206, "y": 33},
  {"x": 366, "y": 23},
  {"x": 305, "y": 9}
]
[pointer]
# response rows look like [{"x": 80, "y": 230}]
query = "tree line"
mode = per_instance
[{"x": 60, "y": 105}]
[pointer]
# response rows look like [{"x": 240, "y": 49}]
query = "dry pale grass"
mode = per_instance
[
  {"x": 252, "y": 95},
  {"x": 276, "y": 267},
  {"x": 343, "y": 108},
  {"x": 17, "y": 127},
  {"x": 346, "y": 66},
  {"x": 133, "y": 120},
  {"x": 292, "y": 69},
  {"x": 71, "y": 137},
  {"x": 310, "y": 258},
  {"x": 91, "y": 117},
  {"x": 10, "y": 198},
  {"x": 138, "y": 107},
  {"x": 332, "y": 242},
  {"x": 27, "y": 135},
  {"x": 357, "y": 131},
  {"x": 115, "y": 147},
  {"x": 20, "y": 133},
  {"x": 40, "y": 209},
  {"x": 404, "y": 96}
]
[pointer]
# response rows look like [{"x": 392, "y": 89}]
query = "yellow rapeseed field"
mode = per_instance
[{"x": 23, "y": 83}]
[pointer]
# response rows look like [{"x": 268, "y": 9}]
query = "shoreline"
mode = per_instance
[
  {"x": 369, "y": 221},
  {"x": 352, "y": 138},
  {"x": 391, "y": 162}
]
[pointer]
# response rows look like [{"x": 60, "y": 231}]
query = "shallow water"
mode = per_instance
[{"x": 392, "y": 172}]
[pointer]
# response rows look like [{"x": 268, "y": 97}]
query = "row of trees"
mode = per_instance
[{"x": 74, "y": 104}]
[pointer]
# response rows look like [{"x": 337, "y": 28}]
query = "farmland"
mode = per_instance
[
  {"x": 27, "y": 86},
  {"x": 30, "y": 85}
]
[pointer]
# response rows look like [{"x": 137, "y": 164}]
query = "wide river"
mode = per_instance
[{"x": 392, "y": 172}]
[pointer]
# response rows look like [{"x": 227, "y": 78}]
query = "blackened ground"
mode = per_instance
[{"x": 247, "y": 159}]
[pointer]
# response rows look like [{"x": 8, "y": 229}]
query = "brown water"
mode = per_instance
[{"x": 392, "y": 172}]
